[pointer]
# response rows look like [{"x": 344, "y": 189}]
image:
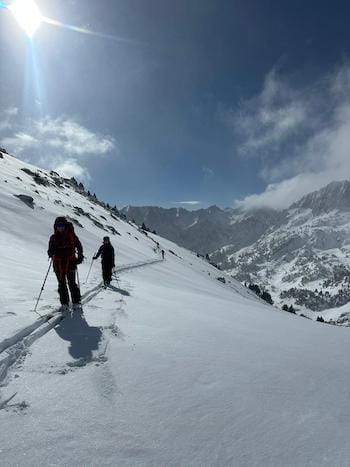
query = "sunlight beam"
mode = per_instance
[
  {"x": 70, "y": 27},
  {"x": 27, "y": 15}
]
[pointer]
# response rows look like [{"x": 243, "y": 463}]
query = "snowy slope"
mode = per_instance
[{"x": 169, "y": 367}]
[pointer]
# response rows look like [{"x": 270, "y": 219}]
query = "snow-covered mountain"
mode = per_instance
[
  {"x": 168, "y": 367},
  {"x": 306, "y": 259},
  {"x": 205, "y": 230},
  {"x": 301, "y": 254},
  {"x": 335, "y": 196}
]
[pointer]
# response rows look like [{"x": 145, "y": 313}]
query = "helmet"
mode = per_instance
[
  {"x": 60, "y": 221},
  {"x": 106, "y": 239}
]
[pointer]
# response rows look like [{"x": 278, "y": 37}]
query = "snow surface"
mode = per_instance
[{"x": 168, "y": 367}]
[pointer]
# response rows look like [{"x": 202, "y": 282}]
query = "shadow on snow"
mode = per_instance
[{"x": 84, "y": 339}]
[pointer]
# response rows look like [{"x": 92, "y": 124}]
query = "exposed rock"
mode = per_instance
[
  {"x": 99, "y": 225},
  {"x": 113, "y": 230},
  {"x": 221, "y": 279},
  {"x": 27, "y": 200},
  {"x": 75, "y": 221}
]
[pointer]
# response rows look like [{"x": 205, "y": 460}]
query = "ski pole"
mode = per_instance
[
  {"x": 116, "y": 278},
  {"x": 87, "y": 277},
  {"x": 114, "y": 274},
  {"x": 42, "y": 288},
  {"x": 78, "y": 278}
]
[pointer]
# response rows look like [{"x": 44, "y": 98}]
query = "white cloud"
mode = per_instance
[
  {"x": 305, "y": 141},
  {"x": 7, "y": 117},
  {"x": 19, "y": 142},
  {"x": 71, "y": 168},
  {"x": 266, "y": 121},
  {"x": 189, "y": 203},
  {"x": 283, "y": 194},
  {"x": 208, "y": 172},
  {"x": 72, "y": 137},
  {"x": 61, "y": 144}
]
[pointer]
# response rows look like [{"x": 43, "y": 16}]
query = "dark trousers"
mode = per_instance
[
  {"x": 107, "y": 272},
  {"x": 63, "y": 278}
]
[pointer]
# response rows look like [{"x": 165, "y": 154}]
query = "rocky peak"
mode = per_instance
[{"x": 336, "y": 195}]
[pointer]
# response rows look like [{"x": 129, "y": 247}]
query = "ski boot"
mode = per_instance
[
  {"x": 64, "y": 309},
  {"x": 77, "y": 307}
]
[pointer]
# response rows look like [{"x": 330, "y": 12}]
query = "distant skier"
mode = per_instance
[
  {"x": 156, "y": 249},
  {"x": 66, "y": 252},
  {"x": 106, "y": 251},
  {"x": 163, "y": 254}
]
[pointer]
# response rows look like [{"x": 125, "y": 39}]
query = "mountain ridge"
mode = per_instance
[{"x": 305, "y": 246}]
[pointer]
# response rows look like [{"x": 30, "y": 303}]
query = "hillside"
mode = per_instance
[{"x": 169, "y": 366}]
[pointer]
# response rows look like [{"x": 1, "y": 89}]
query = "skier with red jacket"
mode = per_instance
[{"x": 66, "y": 252}]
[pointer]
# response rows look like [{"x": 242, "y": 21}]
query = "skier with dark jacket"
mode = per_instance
[
  {"x": 106, "y": 251},
  {"x": 66, "y": 252}
]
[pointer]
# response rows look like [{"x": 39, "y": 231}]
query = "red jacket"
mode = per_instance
[{"x": 64, "y": 245}]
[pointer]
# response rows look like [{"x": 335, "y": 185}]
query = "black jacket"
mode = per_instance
[{"x": 106, "y": 251}]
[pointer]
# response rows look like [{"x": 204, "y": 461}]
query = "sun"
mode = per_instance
[{"x": 27, "y": 15}]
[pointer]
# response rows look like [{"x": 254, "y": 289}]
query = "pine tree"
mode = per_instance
[
  {"x": 255, "y": 288},
  {"x": 267, "y": 297}
]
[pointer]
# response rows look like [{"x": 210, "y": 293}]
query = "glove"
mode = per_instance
[{"x": 80, "y": 259}]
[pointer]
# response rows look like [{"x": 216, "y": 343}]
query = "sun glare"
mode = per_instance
[{"x": 27, "y": 15}]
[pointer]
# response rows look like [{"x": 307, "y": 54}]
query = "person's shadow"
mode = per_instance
[{"x": 84, "y": 339}]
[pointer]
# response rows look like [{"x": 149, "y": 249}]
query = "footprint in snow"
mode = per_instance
[
  {"x": 19, "y": 408},
  {"x": 85, "y": 361},
  {"x": 95, "y": 307},
  {"x": 115, "y": 331},
  {"x": 13, "y": 407}
]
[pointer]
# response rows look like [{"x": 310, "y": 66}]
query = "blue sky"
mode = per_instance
[{"x": 186, "y": 102}]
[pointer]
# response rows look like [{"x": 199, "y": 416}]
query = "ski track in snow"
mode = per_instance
[{"x": 17, "y": 346}]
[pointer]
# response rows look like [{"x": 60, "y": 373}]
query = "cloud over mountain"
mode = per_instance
[{"x": 301, "y": 135}]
